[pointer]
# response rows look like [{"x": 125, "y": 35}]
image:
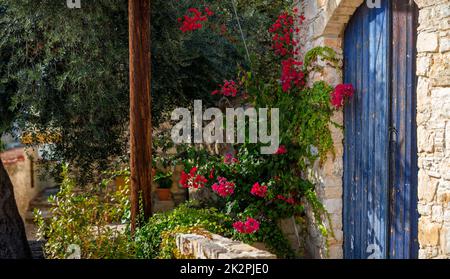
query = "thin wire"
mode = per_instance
[{"x": 242, "y": 33}]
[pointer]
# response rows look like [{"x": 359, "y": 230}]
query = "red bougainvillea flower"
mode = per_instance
[
  {"x": 250, "y": 226},
  {"x": 229, "y": 88},
  {"x": 282, "y": 30},
  {"x": 239, "y": 226},
  {"x": 223, "y": 188},
  {"x": 194, "y": 20},
  {"x": 230, "y": 159},
  {"x": 211, "y": 173},
  {"x": 209, "y": 12},
  {"x": 340, "y": 94},
  {"x": 288, "y": 200},
  {"x": 259, "y": 190},
  {"x": 192, "y": 179},
  {"x": 281, "y": 150},
  {"x": 291, "y": 75},
  {"x": 283, "y": 42}
]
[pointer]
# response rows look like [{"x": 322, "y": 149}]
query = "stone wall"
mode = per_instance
[
  {"x": 325, "y": 24},
  {"x": 217, "y": 247},
  {"x": 23, "y": 172},
  {"x": 433, "y": 131}
]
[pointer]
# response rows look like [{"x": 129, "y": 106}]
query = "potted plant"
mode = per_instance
[{"x": 164, "y": 181}]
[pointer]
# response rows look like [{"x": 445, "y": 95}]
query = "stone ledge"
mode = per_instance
[{"x": 218, "y": 247}]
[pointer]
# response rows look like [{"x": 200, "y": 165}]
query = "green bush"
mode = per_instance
[
  {"x": 84, "y": 219},
  {"x": 149, "y": 238}
]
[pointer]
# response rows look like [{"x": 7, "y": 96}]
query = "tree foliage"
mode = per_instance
[{"x": 65, "y": 71}]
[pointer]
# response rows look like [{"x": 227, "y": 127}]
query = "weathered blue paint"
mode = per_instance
[
  {"x": 366, "y": 134},
  {"x": 403, "y": 168},
  {"x": 380, "y": 172}
]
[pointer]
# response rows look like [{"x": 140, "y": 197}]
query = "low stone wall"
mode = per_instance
[
  {"x": 23, "y": 172},
  {"x": 218, "y": 247}
]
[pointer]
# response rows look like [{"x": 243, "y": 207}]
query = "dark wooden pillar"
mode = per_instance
[{"x": 140, "y": 109}]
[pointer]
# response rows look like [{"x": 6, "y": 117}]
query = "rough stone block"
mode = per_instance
[
  {"x": 333, "y": 205},
  {"x": 423, "y": 65},
  {"x": 218, "y": 247},
  {"x": 437, "y": 214},
  {"x": 444, "y": 44},
  {"x": 441, "y": 102},
  {"x": 427, "y": 42},
  {"x": 428, "y": 233},
  {"x": 427, "y": 187}
]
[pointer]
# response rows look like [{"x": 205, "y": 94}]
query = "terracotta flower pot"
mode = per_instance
[{"x": 163, "y": 194}]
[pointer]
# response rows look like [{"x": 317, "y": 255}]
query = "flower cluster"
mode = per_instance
[
  {"x": 223, "y": 188},
  {"x": 229, "y": 88},
  {"x": 250, "y": 226},
  {"x": 282, "y": 30},
  {"x": 192, "y": 179},
  {"x": 259, "y": 190},
  {"x": 291, "y": 74},
  {"x": 230, "y": 159},
  {"x": 281, "y": 150},
  {"x": 194, "y": 22},
  {"x": 288, "y": 200},
  {"x": 340, "y": 94},
  {"x": 284, "y": 44}
]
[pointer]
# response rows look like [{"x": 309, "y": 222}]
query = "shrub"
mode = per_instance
[
  {"x": 83, "y": 219},
  {"x": 156, "y": 238}
]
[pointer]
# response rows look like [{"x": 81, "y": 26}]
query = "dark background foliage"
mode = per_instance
[{"x": 65, "y": 70}]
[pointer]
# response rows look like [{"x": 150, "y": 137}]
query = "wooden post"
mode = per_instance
[{"x": 140, "y": 109}]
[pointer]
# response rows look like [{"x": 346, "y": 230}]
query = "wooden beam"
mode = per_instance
[{"x": 140, "y": 109}]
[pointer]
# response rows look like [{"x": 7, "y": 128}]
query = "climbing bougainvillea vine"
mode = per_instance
[
  {"x": 341, "y": 93},
  {"x": 194, "y": 19},
  {"x": 229, "y": 89}
]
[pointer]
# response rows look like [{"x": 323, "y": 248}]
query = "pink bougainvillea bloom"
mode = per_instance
[
  {"x": 209, "y": 12},
  {"x": 239, "y": 226},
  {"x": 250, "y": 226},
  {"x": 229, "y": 88},
  {"x": 283, "y": 42},
  {"x": 291, "y": 75},
  {"x": 223, "y": 187},
  {"x": 194, "y": 21},
  {"x": 287, "y": 200},
  {"x": 258, "y": 190},
  {"x": 230, "y": 159},
  {"x": 340, "y": 94},
  {"x": 281, "y": 150},
  {"x": 192, "y": 179}
]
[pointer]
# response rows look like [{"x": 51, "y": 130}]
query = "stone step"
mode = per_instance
[{"x": 41, "y": 201}]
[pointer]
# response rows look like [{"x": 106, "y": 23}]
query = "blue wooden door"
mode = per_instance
[{"x": 380, "y": 167}]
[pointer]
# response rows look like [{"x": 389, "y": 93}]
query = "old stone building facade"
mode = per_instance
[{"x": 326, "y": 21}]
